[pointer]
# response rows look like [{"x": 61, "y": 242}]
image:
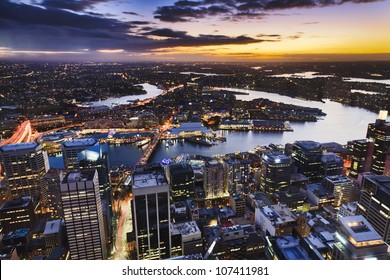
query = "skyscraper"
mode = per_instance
[
  {"x": 374, "y": 203},
  {"x": 25, "y": 165},
  {"x": 213, "y": 182},
  {"x": 182, "y": 181},
  {"x": 343, "y": 189},
  {"x": 70, "y": 150},
  {"x": 276, "y": 172},
  {"x": 83, "y": 215},
  {"x": 380, "y": 133},
  {"x": 51, "y": 195},
  {"x": 307, "y": 158},
  {"x": 361, "y": 157},
  {"x": 151, "y": 212}
]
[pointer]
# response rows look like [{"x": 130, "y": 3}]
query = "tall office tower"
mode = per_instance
[
  {"x": 151, "y": 212},
  {"x": 331, "y": 165},
  {"x": 17, "y": 214},
  {"x": 96, "y": 157},
  {"x": 276, "y": 172},
  {"x": 83, "y": 215},
  {"x": 53, "y": 235},
  {"x": 71, "y": 148},
  {"x": 182, "y": 181},
  {"x": 343, "y": 189},
  {"x": 213, "y": 182},
  {"x": 362, "y": 151},
  {"x": 374, "y": 203},
  {"x": 307, "y": 158},
  {"x": 380, "y": 133},
  {"x": 236, "y": 174},
  {"x": 51, "y": 195},
  {"x": 356, "y": 239},
  {"x": 24, "y": 165}
]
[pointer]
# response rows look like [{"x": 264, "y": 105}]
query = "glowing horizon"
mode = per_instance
[{"x": 215, "y": 30}]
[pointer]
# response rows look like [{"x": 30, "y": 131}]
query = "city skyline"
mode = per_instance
[{"x": 208, "y": 30}]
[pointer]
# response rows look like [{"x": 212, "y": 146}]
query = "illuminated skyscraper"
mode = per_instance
[
  {"x": 182, "y": 181},
  {"x": 70, "y": 150},
  {"x": 374, "y": 203},
  {"x": 83, "y": 215},
  {"x": 361, "y": 156},
  {"x": 380, "y": 133},
  {"x": 151, "y": 213},
  {"x": 307, "y": 158},
  {"x": 213, "y": 182},
  {"x": 276, "y": 172},
  {"x": 24, "y": 165},
  {"x": 343, "y": 189}
]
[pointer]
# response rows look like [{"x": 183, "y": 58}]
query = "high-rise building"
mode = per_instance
[
  {"x": 182, "y": 181},
  {"x": 51, "y": 195},
  {"x": 276, "y": 172},
  {"x": 213, "y": 182},
  {"x": 24, "y": 165},
  {"x": 96, "y": 157},
  {"x": 343, "y": 189},
  {"x": 374, "y": 203},
  {"x": 83, "y": 215},
  {"x": 53, "y": 235},
  {"x": 307, "y": 158},
  {"x": 362, "y": 151},
  {"x": 331, "y": 165},
  {"x": 380, "y": 133},
  {"x": 17, "y": 214},
  {"x": 356, "y": 239},
  {"x": 151, "y": 212},
  {"x": 236, "y": 174},
  {"x": 71, "y": 149}
]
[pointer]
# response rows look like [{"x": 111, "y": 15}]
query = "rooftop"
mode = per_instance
[
  {"x": 79, "y": 143},
  {"x": 276, "y": 157},
  {"x": 17, "y": 203},
  {"x": 308, "y": 145},
  {"x": 338, "y": 179},
  {"x": 359, "y": 228},
  {"x": 187, "y": 228},
  {"x": 149, "y": 179},
  {"x": 52, "y": 227},
  {"x": 80, "y": 176},
  {"x": 19, "y": 147},
  {"x": 278, "y": 214},
  {"x": 331, "y": 157},
  {"x": 380, "y": 180},
  {"x": 291, "y": 249}
]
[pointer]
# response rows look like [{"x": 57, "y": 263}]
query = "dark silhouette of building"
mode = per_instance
[{"x": 307, "y": 158}]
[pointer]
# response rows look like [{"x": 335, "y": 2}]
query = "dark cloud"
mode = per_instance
[
  {"x": 27, "y": 27},
  {"x": 166, "y": 32},
  {"x": 182, "y": 11},
  {"x": 311, "y": 22},
  {"x": 73, "y": 5},
  {"x": 131, "y": 13},
  {"x": 138, "y": 22},
  {"x": 185, "y": 3}
]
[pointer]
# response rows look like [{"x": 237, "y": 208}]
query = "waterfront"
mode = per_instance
[
  {"x": 342, "y": 123},
  {"x": 151, "y": 92}
]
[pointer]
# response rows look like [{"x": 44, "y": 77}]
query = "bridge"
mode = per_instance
[{"x": 150, "y": 148}]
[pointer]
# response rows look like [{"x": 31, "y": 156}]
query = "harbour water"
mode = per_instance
[{"x": 342, "y": 123}]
